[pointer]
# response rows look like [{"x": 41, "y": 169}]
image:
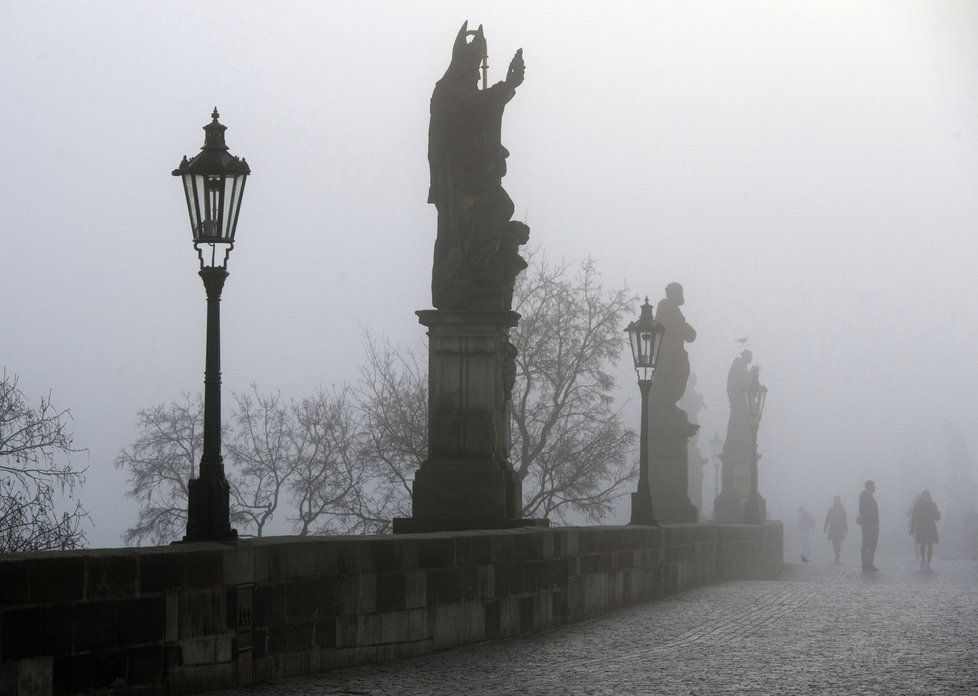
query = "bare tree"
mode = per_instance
[
  {"x": 329, "y": 470},
  {"x": 262, "y": 453},
  {"x": 571, "y": 448},
  {"x": 392, "y": 398},
  {"x": 36, "y": 473},
  {"x": 160, "y": 463}
]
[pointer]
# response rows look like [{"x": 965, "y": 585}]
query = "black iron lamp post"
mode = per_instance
[
  {"x": 213, "y": 182},
  {"x": 716, "y": 446},
  {"x": 645, "y": 337},
  {"x": 755, "y": 394}
]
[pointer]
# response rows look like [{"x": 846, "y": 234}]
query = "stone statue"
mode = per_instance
[
  {"x": 672, "y": 368},
  {"x": 738, "y": 427},
  {"x": 477, "y": 249}
]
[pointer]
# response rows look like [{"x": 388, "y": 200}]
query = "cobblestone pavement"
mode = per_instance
[{"x": 816, "y": 629}]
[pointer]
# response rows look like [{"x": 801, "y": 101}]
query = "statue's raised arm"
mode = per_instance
[{"x": 476, "y": 257}]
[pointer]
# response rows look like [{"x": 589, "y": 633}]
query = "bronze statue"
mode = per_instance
[
  {"x": 672, "y": 369},
  {"x": 477, "y": 249}
]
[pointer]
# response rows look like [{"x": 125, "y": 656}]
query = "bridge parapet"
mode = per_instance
[{"x": 189, "y": 618}]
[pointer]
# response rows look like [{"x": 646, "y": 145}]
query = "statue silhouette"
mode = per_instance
[
  {"x": 476, "y": 258},
  {"x": 672, "y": 369}
]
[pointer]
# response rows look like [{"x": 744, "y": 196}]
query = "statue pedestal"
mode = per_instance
[
  {"x": 730, "y": 507},
  {"x": 669, "y": 435},
  {"x": 467, "y": 481}
]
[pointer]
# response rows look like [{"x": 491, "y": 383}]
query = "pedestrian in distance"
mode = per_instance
[
  {"x": 806, "y": 523},
  {"x": 923, "y": 526},
  {"x": 869, "y": 520},
  {"x": 836, "y": 526}
]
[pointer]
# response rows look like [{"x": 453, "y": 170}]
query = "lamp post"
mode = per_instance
[
  {"x": 213, "y": 182},
  {"x": 716, "y": 446},
  {"x": 645, "y": 337},
  {"x": 755, "y": 394}
]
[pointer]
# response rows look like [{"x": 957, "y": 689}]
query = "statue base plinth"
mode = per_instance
[
  {"x": 642, "y": 512},
  {"x": 467, "y": 481},
  {"x": 669, "y": 435}
]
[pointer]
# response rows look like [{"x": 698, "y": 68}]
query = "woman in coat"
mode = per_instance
[
  {"x": 923, "y": 525},
  {"x": 836, "y": 526}
]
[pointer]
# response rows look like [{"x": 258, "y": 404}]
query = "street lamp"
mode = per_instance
[
  {"x": 213, "y": 182},
  {"x": 716, "y": 446},
  {"x": 755, "y": 394},
  {"x": 645, "y": 337}
]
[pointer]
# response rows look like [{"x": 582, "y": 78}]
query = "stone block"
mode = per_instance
[
  {"x": 369, "y": 629},
  {"x": 366, "y": 594},
  {"x": 160, "y": 572},
  {"x": 94, "y": 626},
  {"x": 110, "y": 576},
  {"x": 141, "y": 621},
  {"x": 35, "y": 675},
  {"x": 390, "y": 592},
  {"x": 57, "y": 580},
  {"x": 474, "y": 549},
  {"x": 239, "y": 566},
  {"x": 347, "y": 631},
  {"x": 200, "y": 650},
  {"x": 171, "y": 631},
  {"x": 325, "y": 632},
  {"x": 109, "y": 670},
  {"x": 145, "y": 666},
  {"x": 299, "y": 560},
  {"x": 72, "y": 674},
  {"x": 56, "y": 623},
  {"x": 328, "y": 593},
  {"x": 224, "y": 647},
  {"x": 394, "y": 627},
  {"x": 301, "y": 600},
  {"x": 203, "y": 612},
  {"x": 14, "y": 584},
  {"x": 202, "y": 569},
  {"x": 415, "y": 589},
  {"x": 354, "y": 557},
  {"x": 438, "y": 551},
  {"x": 270, "y": 604},
  {"x": 418, "y": 625},
  {"x": 486, "y": 582}
]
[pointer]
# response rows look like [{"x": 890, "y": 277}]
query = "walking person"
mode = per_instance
[
  {"x": 923, "y": 526},
  {"x": 869, "y": 521},
  {"x": 806, "y": 523},
  {"x": 836, "y": 526}
]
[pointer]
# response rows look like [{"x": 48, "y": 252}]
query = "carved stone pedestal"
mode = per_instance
[
  {"x": 467, "y": 482},
  {"x": 730, "y": 506},
  {"x": 669, "y": 435}
]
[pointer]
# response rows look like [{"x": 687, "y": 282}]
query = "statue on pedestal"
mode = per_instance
[
  {"x": 672, "y": 369},
  {"x": 467, "y": 480},
  {"x": 477, "y": 249},
  {"x": 669, "y": 428},
  {"x": 737, "y": 443}
]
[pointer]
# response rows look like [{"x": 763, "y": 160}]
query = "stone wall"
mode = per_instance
[{"x": 188, "y": 618}]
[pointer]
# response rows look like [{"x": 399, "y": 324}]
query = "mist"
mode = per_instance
[{"x": 808, "y": 172}]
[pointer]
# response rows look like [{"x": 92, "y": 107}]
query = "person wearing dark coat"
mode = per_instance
[
  {"x": 836, "y": 526},
  {"x": 869, "y": 521},
  {"x": 923, "y": 526}
]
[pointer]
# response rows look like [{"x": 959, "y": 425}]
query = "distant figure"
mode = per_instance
[
  {"x": 806, "y": 523},
  {"x": 923, "y": 525},
  {"x": 836, "y": 526},
  {"x": 869, "y": 520}
]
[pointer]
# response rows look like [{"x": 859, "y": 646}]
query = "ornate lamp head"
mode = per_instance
[
  {"x": 645, "y": 337},
  {"x": 213, "y": 182}
]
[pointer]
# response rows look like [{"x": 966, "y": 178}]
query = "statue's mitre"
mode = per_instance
[{"x": 468, "y": 54}]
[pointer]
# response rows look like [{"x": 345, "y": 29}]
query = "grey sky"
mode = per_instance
[{"x": 808, "y": 171}]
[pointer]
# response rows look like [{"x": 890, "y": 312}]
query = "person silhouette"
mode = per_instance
[
  {"x": 836, "y": 526},
  {"x": 869, "y": 521},
  {"x": 923, "y": 526}
]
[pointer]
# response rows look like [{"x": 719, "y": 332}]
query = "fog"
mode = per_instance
[{"x": 808, "y": 172}]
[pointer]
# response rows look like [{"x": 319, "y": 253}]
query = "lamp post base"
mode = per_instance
[
  {"x": 642, "y": 508},
  {"x": 208, "y": 511}
]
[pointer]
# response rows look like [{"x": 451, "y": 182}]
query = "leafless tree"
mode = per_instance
[
  {"x": 262, "y": 455},
  {"x": 160, "y": 463},
  {"x": 36, "y": 474},
  {"x": 392, "y": 399},
  {"x": 571, "y": 448},
  {"x": 329, "y": 472}
]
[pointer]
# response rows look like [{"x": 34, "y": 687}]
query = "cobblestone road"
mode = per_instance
[{"x": 816, "y": 629}]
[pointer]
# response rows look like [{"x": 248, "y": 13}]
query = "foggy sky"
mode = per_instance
[{"x": 808, "y": 171}]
